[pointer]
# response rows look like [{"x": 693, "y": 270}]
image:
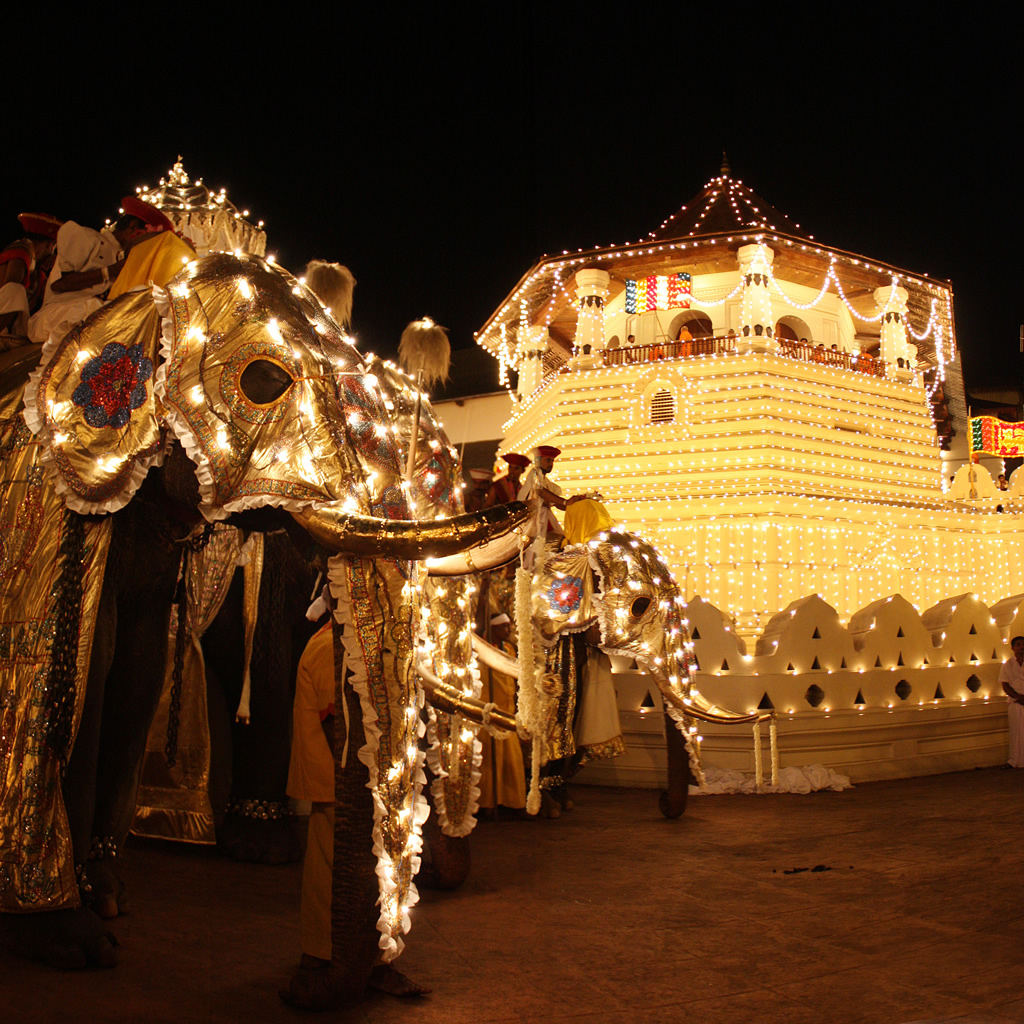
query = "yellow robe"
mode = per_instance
[
  {"x": 502, "y": 776},
  {"x": 155, "y": 261}
]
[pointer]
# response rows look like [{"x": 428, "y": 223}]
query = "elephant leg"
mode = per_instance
[
  {"x": 449, "y": 863},
  {"x": 131, "y": 696},
  {"x": 672, "y": 801}
]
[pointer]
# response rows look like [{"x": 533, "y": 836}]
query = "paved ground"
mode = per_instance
[{"x": 613, "y": 914}]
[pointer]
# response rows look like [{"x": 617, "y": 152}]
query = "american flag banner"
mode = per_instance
[
  {"x": 647, "y": 294},
  {"x": 990, "y": 436}
]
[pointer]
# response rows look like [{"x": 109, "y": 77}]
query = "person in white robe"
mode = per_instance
[{"x": 1011, "y": 678}]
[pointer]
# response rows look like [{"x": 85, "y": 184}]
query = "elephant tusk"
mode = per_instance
[
  {"x": 494, "y": 658},
  {"x": 465, "y": 543},
  {"x": 445, "y": 697},
  {"x": 489, "y": 555}
]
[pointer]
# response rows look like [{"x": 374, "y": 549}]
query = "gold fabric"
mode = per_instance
[
  {"x": 563, "y": 595},
  {"x": 449, "y": 626},
  {"x": 502, "y": 775},
  {"x": 378, "y": 599},
  {"x": 173, "y": 802},
  {"x": 36, "y": 859},
  {"x": 154, "y": 261},
  {"x": 95, "y": 401},
  {"x": 230, "y": 313}
]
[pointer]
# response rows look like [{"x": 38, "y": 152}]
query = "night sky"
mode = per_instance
[{"x": 438, "y": 152}]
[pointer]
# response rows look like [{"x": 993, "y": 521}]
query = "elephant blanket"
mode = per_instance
[{"x": 45, "y": 647}]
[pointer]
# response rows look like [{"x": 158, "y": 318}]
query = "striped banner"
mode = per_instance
[{"x": 647, "y": 294}]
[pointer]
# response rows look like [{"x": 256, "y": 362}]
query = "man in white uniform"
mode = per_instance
[
  {"x": 1011, "y": 678},
  {"x": 537, "y": 484}
]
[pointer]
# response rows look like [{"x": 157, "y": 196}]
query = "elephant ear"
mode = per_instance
[
  {"x": 563, "y": 595},
  {"x": 91, "y": 405}
]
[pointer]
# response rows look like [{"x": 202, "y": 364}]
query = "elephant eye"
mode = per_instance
[
  {"x": 639, "y": 606},
  {"x": 263, "y": 381}
]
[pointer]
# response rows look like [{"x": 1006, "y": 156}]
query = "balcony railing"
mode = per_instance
[
  {"x": 802, "y": 350},
  {"x": 668, "y": 350}
]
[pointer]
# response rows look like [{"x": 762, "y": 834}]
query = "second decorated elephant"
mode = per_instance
[{"x": 618, "y": 582}]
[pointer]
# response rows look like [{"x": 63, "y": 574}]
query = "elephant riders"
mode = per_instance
[
  {"x": 502, "y": 776},
  {"x": 477, "y": 497},
  {"x": 24, "y": 266},
  {"x": 506, "y": 488},
  {"x": 539, "y": 485},
  {"x": 311, "y": 777},
  {"x": 157, "y": 253},
  {"x": 86, "y": 262}
]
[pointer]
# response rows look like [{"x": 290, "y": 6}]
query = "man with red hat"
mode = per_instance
[
  {"x": 157, "y": 253},
  {"x": 478, "y": 495},
  {"x": 24, "y": 265},
  {"x": 539, "y": 485},
  {"x": 506, "y": 488}
]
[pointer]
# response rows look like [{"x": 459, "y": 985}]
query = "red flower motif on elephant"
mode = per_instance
[
  {"x": 565, "y": 594},
  {"x": 113, "y": 384}
]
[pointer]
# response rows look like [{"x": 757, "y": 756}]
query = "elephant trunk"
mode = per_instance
[
  {"x": 696, "y": 705},
  {"x": 473, "y": 542},
  {"x": 448, "y": 698}
]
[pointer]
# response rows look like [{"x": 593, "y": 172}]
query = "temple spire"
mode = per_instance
[{"x": 725, "y": 165}]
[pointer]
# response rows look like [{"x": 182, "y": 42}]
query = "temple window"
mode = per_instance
[{"x": 663, "y": 406}]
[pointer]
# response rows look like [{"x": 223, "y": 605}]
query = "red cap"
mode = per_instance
[
  {"x": 546, "y": 451},
  {"x": 146, "y": 212},
  {"x": 40, "y": 224},
  {"x": 515, "y": 459}
]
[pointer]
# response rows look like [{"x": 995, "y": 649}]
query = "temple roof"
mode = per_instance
[{"x": 724, "y": 205}]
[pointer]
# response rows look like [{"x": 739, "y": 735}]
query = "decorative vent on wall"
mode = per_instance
[{"x": 663, "y": 407}]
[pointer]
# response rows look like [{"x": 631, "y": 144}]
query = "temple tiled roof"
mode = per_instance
[{"x": 724, "y": 205}]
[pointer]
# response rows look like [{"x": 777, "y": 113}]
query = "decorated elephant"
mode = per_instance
[
  {"x": 618, "y": 582},
  {"x": 231, "y": 394}
]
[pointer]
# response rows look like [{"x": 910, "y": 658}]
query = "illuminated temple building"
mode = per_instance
[{"x": 781, "y": 427}]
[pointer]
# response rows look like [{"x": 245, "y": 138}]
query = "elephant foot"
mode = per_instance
[
  {"x": 317, "y": 985},
  {"x": 314, "y": 986},
  {"x": 549, "y": 806},
  {"x": 385, "y": 978},
  {"x": 108, "y": 897},
  {"x": 66, "y": 939},
  {"x": 562, "y": 798},
  {"x": 259, "y": 841}
]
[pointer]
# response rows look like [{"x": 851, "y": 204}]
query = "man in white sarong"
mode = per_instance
[
  {"x": 537, "y": 484},
  {"x": 1011, "y": 678},
  {"x": 87, "y": 263}
]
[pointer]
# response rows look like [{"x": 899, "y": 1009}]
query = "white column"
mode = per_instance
[
  {"x": 531, "y": 349},
  {"x": 591, "y": 291},
  {"x": 756, "y": 331},
  {"x": 895, "y": 345}
]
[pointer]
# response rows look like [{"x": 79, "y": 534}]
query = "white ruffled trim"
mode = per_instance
[
  {"x": 36, "y": 423},
  {"x": 390, "y": 942},
  {"x": 437, "y": 787}
]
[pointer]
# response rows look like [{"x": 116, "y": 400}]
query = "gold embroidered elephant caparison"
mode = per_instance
[{"x": 231, "y": 393}]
